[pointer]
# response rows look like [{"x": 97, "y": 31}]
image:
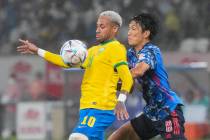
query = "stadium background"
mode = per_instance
[{"x": 40, "y": 101}]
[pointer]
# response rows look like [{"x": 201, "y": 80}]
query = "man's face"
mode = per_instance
[
  {"x": 104, "y": 29},
  {"x": 135, "y": 34}
]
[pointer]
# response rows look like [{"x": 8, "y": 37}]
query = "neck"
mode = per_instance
[
  {"x": 106, "y": 41},
  {"x": 141, "y": 45}
]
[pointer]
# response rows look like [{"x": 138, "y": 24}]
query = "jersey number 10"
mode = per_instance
[{"x": 90, "y": 121}]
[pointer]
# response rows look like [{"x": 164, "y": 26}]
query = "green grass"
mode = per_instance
[{"x": 11, "y": 138}]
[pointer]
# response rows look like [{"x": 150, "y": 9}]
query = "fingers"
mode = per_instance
[
  {"x": 126, "y": 115},
  {"x": 117, "y": 113},
  {"x": 24, "y": 41},
  {"x": 22, "y": 48},
  {"x": 121, "y": 113},
  {"x": 26, "y": 47},
  {"x": 24, "y": 52},
  {"x": 122, "y": 116}
]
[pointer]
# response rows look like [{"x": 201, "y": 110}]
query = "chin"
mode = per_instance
[
  {"x": 98, "y": 39},
  {"x": 131, "y": 43},
  {"x": 101, "y": 40}
]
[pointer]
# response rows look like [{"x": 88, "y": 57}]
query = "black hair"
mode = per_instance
[{"x": 147, "y": 22}]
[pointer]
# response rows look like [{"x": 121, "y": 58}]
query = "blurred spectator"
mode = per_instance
[
  {"x": 37, "y": 88},
  {"x": 12, "y": 90},
  {"x": 172, "y": 26},
  {"x": 200, "y": 45},
  {"x": 9, "y": 99},
  {"x": 196, "y": 97},
  {"x": 51, "y": 22},
  {"x": 188, "y": 97},
  {"x": 200, "y": 98}
]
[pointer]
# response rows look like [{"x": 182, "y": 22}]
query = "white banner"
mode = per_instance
[{"x": 31, "y": 121}]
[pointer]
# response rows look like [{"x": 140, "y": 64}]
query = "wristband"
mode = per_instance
[
  {"x": 122, "y": 97},
  {"x": 41, "y": 52}
]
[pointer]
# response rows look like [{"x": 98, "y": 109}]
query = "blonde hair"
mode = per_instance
[{"x": 114, "y": 16}]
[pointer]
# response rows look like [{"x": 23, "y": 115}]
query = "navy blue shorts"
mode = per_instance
[{"x": 171, "y": 128}]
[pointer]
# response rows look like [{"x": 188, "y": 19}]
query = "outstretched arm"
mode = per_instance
[
  {"x": 139, "y": 69},
  {"x": 27, "y": 47}
]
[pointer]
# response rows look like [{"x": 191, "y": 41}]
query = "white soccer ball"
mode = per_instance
[{"x": 73, "y": 52}]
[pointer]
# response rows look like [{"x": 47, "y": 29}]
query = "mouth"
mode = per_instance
[{"x": 97, "y": 36}]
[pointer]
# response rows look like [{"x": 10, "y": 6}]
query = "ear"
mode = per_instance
[
  {"x": 146, "y": 34},
  {"x": 115, "y": 29}
]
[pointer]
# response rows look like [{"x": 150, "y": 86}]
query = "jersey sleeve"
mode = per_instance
[
  {"x": 118, "y": 56},
  {"x": 118, "y": 59},
  {"x": 147, "y": 57},
  {"x": 126, "y": 77},
  {"x": 55, "y": 59}
]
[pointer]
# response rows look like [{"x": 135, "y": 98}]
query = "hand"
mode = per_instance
[
  {"x": 27, "y": 47},
  {"x": 120, "y": 111}
]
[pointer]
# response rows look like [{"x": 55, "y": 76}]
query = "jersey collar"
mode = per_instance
[
  {"x": 107, "y": 41},
  {"x": 145, "y": 46}
]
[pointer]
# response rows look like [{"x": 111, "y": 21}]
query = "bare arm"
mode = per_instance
[{"x": 139, "y": 69}]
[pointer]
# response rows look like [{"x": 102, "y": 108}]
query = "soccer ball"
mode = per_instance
[{"x": 73, "y": 52}]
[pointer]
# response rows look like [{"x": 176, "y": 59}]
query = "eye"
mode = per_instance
[
  {"x": 102, "y": 26},
  {"x": 133, "y": 27}
]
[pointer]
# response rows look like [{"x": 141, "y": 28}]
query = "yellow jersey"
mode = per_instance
[
  {"x": 100, "y": 77},
  {"x": 104, "y": 65}
]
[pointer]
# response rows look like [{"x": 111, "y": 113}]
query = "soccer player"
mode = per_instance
[
  {"x": 105, "y": 64},
  {"x": 163, "y": 113}
]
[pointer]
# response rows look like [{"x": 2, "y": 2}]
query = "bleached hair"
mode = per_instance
[{"x": 114, "y": 16}]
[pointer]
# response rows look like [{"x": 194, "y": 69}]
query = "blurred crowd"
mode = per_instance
[{"x": 184, "y": 25}]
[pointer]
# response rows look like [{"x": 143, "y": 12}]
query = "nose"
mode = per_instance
[
  {"x": 129, "y": 32},
  {"x": 97, "y": 30}
]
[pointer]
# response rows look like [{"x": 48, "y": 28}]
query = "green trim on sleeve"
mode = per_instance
[{"x": 120, "y": 63}]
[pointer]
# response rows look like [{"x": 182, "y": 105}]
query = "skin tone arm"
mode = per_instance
[{"x": 139, "y": 69}]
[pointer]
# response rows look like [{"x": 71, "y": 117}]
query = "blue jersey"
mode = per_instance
[{"x": 160, "y": 99}]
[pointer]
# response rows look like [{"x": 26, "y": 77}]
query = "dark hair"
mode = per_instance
[{"x": 147, "y": 22}]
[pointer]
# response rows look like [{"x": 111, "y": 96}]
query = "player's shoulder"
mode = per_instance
[
  {"x": 131, "y": 50},
  {"x": 116, "y": 45},
  {"x": 150, "y": 47}
]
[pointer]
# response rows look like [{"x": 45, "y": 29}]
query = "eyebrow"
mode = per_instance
[{"x": 135, "y": 24}]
